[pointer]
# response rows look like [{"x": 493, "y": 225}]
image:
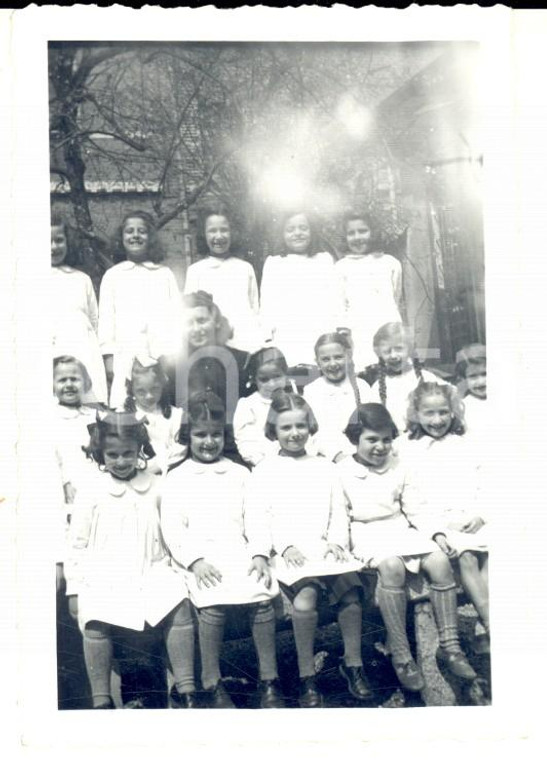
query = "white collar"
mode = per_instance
[
  {"x": 72, "y": 412},
  {"x": 361, "y": 471},
  {"x": 141, "y": 483},
  {"x": 64, "y": 268},
  {"x": 134, "y": 264},
  {"x": 219, "y": 467}
]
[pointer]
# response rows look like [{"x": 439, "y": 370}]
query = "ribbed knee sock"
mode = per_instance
[
  {"x": 445, "y": 607},
  {"x": 304, "y": 625},
  {"x": 350, "y": 620},
  {"x": 392, "y": 603},
  {"x": 211, "y": 635},
  {"x": 179, "y": 642},
  {"x": 263, "y": 630},
  {"x": 98, "y": 663}
]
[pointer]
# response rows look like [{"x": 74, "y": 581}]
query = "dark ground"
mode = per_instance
[{"x": 144, "y": 681}]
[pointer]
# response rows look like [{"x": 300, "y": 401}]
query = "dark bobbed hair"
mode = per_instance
[
  {"x": 224, "y": 330},
  {"x": 138, "y": 370},
  {"x": 122, "y": 425},
  {"x": 206, "y": 407},
  {"x": 155, "y": 249},
  {"x": 369, "y": 416},
  {"x": 66, "y": 359},
  {"x": 449, "y": 393},
  {"x": 282, "y": 401},
  {"x": 267, "y": 355},
  {"x": 472, "y": 355},
  {"x": 218, "y": 208},
  {"x": 372, "y": 222},
  {"x": 281, "y": 220},
  {"x": 333, "y": 337},
  {"x": 72, "y": 257}
]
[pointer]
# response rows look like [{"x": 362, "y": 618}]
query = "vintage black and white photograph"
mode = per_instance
[
  {"x": 270, "y": 469},
  {"x": 269, "y": 371}
]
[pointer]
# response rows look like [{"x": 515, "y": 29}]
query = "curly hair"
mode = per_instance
[
  {"x": 66, "y": 359},
  {"x": 369, "y": 416},
  {"x": 72, "y": 257},
  {"x": 370, "y": 220},
  {"x": 449, "y": 393},
  {"x": 217, "y": 208},
  {"x": 155, "y": 249},
  {"x": 138, "y": 370},
  {"x": 224, "y": 330},
  {"x": 122, "y": 425},
  {"x": 282, "y": 401}
]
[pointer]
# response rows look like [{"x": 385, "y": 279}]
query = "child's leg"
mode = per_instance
[
  {"x": 211, "y": 635},
  {"x": 391, "y": 596},
  {"x": 97, "y": 642},
  {"x": 443, "y": 599},
  {"x": 262, "y": 618},
  {"x": 179, "y": 642},
  {"x": 304, "y": 621},
  {"x": 475, "y": 582},
  {"x": 350, "y": 620}
]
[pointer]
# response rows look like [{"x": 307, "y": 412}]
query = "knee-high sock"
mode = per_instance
[
  {"x": 350, "y": 620},
  {"x": 304, "y": 625},
  {"x": 392, "y": 603},
  {"x": 211, "y": 635},
  {"x": 98, "y": 662},
  {"x": 263, "y": 630},
  {"x": 445, "y": 607},
  {"x": 179, "y": 642}
]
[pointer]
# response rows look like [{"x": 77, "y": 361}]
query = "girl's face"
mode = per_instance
[
  {"x": 435, "y": 415},
  {"x": 121, "y": 456},
  {"x": 200, "y": 327},
  {"x": 206, "y": 441},
  {"x": 293, "y": 430},
  {"x": 68, "y": 384},
  {"x": 358, "y": 235},
  {"x": 135, "y": 237},
  {"x": 217, "y": 235},
  {"x": 297, "y": 233},
  {"x": 476, "y": 380},
  {"x": 395, "y": 354},
  {"x": 147, "y": 390},
  {"x": 332, "y": 360},
  {"x": 59, "y": 247},
  {"x": 270, "y": 378},
  {"x": 374, "y": 446}
]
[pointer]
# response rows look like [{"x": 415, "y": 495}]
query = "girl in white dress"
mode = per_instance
[
  {"x": 74, "y": 309},
  {"x": 471, "y": 378},
  {"x": 230, "y": 280},
  {"x": 119, "y": 573},
  {"x": 203, "y": 521},
  {"x": 299, "y": 297},
  {"x": 147, "y": 395},
  {"x": 140, "y": 310},
  {"x": 371, "y": 284},
  {"x": 298, "y": 498},
  {"x": 375, "y": 486},
  {"x": 447, "y": 504},
  {"x": 398, "y": 371},
  {"x": 268, "y": 371},
  {"x": 335, "y": 395}
]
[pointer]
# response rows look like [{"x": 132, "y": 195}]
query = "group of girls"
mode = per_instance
[{"x": 186, "y": 511}]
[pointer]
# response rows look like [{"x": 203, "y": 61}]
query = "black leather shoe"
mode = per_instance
[
  {"x": 310, "y": 696},
  {"x": 219, "y": 698},
  {"x": 186, "y": 701},
  {"x": 270, "y": 694},
  {"x": 105, "y": 706},
  {"x": 457, "y": 664},
  {"x": 358, "y": 686}
]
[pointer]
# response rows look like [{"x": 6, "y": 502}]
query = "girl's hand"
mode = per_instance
[
  {"x": 474, "y": 525},
  {"x": 293, "y": 557},
  {"x": 262, "y": 568},
  {"x": 73, "y": 606},
  {"x": 206, "y": 574},
  {"x": 337, "y": 552},
  {"x": 445, "y": 546},
  {"x": 339, "y": 457}
]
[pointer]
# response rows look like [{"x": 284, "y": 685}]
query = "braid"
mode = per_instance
[
  {"x": 382, "y": 381},
  {"x": 417, "y": 365},
  {"x": 353, "y": 380}
]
